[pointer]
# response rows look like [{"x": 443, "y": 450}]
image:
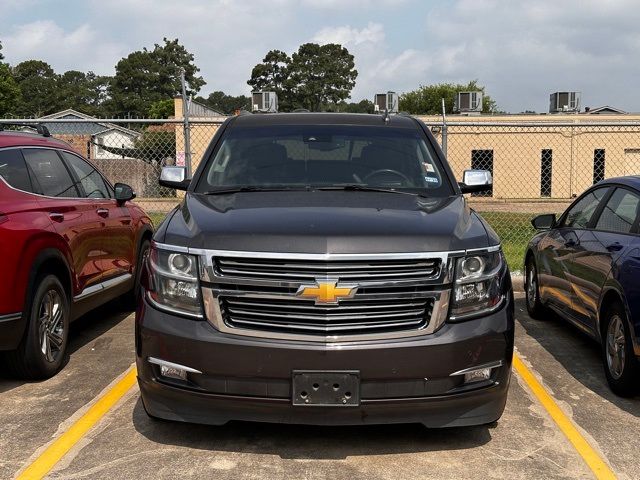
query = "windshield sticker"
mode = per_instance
[
  {"x": 431, "y": 179},
  {"x": 428, "y": 167}
]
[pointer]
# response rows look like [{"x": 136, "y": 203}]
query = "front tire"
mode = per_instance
[
  {"x": 535, "y": 308},
  {"x": 131, "y": 298},
  {"x": 621, "y": 366},
  {"x": 43, "y": 350}
]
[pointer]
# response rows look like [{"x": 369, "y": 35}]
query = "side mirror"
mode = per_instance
[
  {"x": 476, "y": 181},
  {"x": 544, "y": 222},
  {"x": 174, "y": 177},
  {"x": 124, "y": 192}
]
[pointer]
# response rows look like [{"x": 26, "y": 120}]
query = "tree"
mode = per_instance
[
  {"x": 363, "y": 106},
  {"x": 10, "y": 95},
  {"x": 427, "y": 100},
  {"x": 272, "y": 75},
  {"x": 1, "y": 55},
  {"x": 84, "y": 92},
  {"x": 314, "y": 76},
  {"x": 162, "y": 108},
  {"x": 147, "y": 76},
  {"x": 38, "y": 84},
  {"x": 321, "y": 74},
  {"x": 223, "y": 103}
]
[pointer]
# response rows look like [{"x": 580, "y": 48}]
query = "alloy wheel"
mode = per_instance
[
  {"x": 51, "y": 325},
  {"x": 615, "y": 347},
  {"x": 532, "y": 286}
]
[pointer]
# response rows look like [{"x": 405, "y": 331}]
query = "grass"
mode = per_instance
[{"x": 514, "y": 229}]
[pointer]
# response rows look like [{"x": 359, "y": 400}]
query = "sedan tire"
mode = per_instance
[
  {"x": 621, "y": 366},
  {"x": 535, "y": 308}
]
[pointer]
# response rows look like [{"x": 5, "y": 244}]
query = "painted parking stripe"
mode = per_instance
[
  {"x": 595, "y": 462},
  {"x": 61, "y": 445}
]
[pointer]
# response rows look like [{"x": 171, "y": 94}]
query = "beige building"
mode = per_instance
[{"x": 542, "y": 156}]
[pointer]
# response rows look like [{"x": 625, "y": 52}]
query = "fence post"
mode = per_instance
[
  {"x": 186, "y": 126},
  {"x": 444, "y": 131}
]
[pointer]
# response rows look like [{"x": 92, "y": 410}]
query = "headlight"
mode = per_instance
[
  {"x": 477, "y": 286},
  {"x": 174, "y": 282}
]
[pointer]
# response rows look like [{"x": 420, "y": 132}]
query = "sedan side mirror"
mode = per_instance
[
  {"x": 174, "y": 177},
  {"x": 124, "y": 193},
  {"x": 476, "y": 181},
  {"x": 544, "y": 222}
]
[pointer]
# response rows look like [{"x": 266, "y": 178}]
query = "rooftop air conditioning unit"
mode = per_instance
[
  {"x": 468, "y": 102},
  {"x": 264, "y": 102},
  {"x": 564, "y": 102},
  {"x": 386, "y": 102}
]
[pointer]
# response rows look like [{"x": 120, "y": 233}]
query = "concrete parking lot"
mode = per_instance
[{"x": 526, "y": 443}]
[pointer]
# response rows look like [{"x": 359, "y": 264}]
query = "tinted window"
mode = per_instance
[
  {"x": 14, "y": 170},
  {"x": 326, "y": 155},
  {"x": 620, "y": 212},
  {"x": 89, "y": 178},
  {"x": 50, "y": 176},
  {"x": 578, "y": 215}
]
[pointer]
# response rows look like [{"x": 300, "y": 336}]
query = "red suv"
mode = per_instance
[{"x": 69, "y": 241}]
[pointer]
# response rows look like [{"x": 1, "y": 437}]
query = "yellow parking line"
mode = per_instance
[
  {"x": 59, "y": 448},
  {"x": 597, "y": 465}
]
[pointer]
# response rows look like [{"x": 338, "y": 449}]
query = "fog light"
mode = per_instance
[
  {"x": 172, "y": 370},
  {"x": 477, "y": 375}
]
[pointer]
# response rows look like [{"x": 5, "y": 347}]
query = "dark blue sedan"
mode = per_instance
[{"x": 585, "y": 266}]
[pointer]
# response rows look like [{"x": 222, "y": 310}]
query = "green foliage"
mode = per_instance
[
  {"x": 38, "y": 84},
  {"x": 10, "y": 95},
  {"x": 314, "y": 76},
  {"x": 363, "y": 106},
  {"x": 223, "y": 103},
  {"x": 162, "y": 109},
  {"x": 427, "y": 100},
  {"x": 84, "y": 92},
  {"x": 147, "y": 76}
]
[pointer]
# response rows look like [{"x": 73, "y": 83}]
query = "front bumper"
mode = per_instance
[{"x": 402, "y": 380}]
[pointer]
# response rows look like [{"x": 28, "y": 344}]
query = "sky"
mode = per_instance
[{"x": 520, "y": 50}]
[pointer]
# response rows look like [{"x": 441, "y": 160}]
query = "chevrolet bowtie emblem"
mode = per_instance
[{"x": 327, "y": 291}]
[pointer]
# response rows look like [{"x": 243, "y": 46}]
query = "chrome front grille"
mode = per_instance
[
  {"x": 353, "y": 316},
  {"x": 396, "y": 295},
  {"x": 346, "y": 270}
]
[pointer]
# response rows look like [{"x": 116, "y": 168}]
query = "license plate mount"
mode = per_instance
[{"x": 312, "y": 388}]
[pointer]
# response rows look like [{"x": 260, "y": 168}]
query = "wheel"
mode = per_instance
[
  {"x": 535, "y": 308},
  {"x": 131, "y": 298},
  {"x": 621, "y": 366},
  {"x": 42, "y": 352}
]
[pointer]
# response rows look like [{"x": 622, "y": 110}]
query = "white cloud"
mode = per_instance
[
  {"x": 77, "y": 49},
  {"x": 348, "y": 36}
]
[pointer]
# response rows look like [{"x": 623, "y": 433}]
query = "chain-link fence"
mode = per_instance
[{"x": 537, "y": 167}]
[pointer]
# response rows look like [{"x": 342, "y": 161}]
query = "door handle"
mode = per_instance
[
  {"x": 103, "y": 212},
  {"x": 56, "y": 216},
  {"x": 614, "y": 247}
]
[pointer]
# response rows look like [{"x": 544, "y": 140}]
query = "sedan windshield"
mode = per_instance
[{"x": 320, "y": 156}]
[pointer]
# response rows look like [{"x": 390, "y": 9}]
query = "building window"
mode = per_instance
[
  {"x": 546, "y": 159},
  {"x": 598, "y": 165},
  {"x": 482, "y": 160}
]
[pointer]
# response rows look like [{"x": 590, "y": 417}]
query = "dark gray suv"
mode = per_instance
[{"x": 325, "y": 269}]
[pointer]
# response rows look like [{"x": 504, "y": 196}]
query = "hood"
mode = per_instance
[{"x": 324, "y": 222}]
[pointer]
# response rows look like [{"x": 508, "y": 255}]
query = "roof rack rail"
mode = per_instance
[
  {"x": 301, "y": 110},
  {"x": 39, "y": 128}
]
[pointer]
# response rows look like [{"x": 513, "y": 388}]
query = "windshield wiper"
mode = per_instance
[
  {"x": 246, "y": 188},
  {"x": 356, "y": 187}
]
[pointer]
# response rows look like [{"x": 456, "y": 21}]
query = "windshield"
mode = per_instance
[{"x": 320, "y": 156}]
